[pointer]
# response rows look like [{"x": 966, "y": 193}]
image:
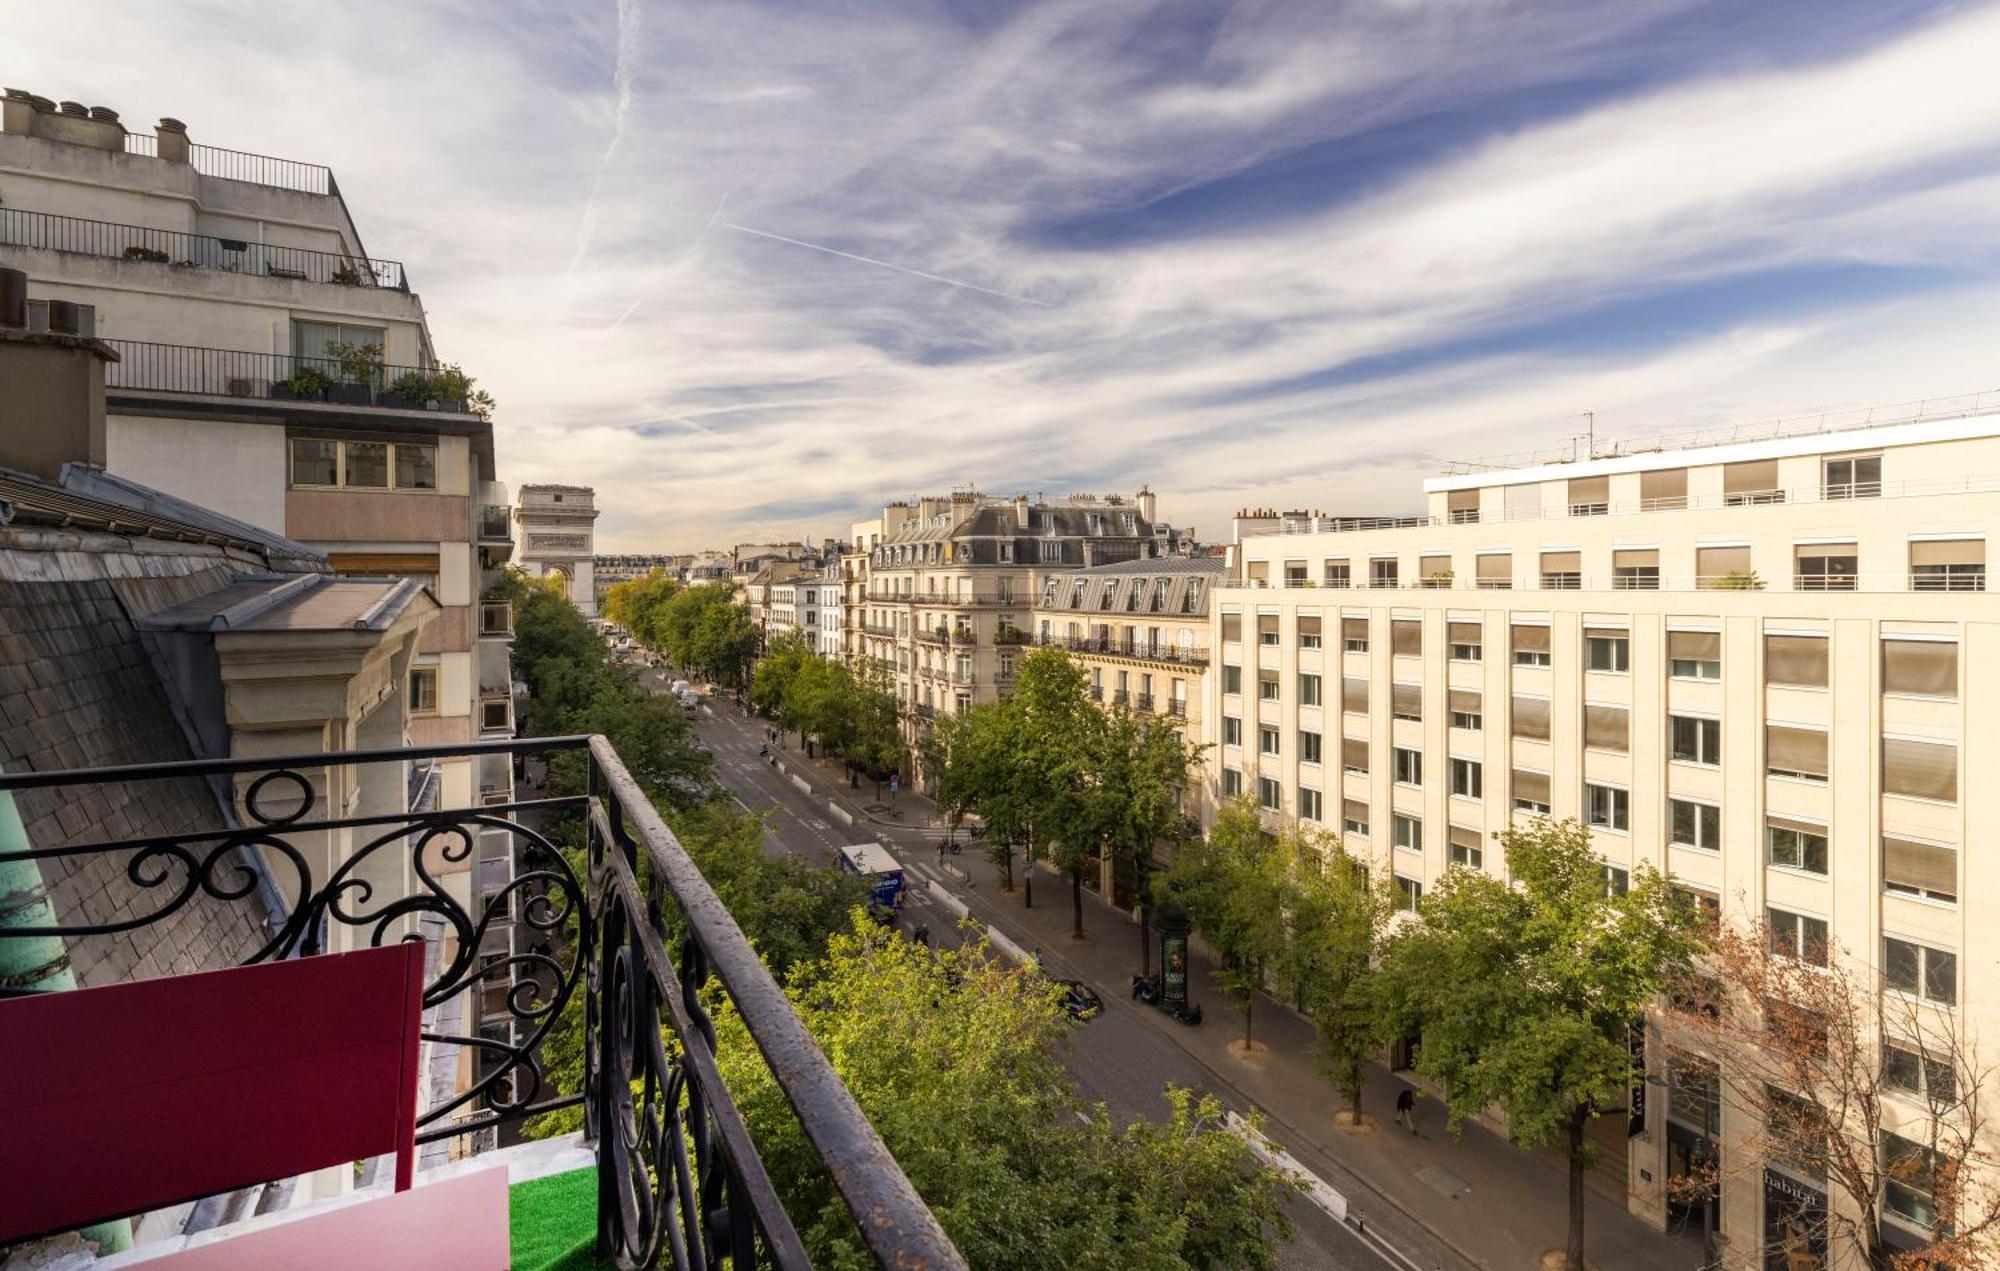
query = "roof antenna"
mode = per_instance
[{"x": 1590, "y": 431}]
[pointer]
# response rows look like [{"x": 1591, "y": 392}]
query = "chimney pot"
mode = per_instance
[
  {"x": 169, "y": 124},
  {"x": 43, "y": 104},
  {"x": 104, "y": 114},
  {"x": 75, "y": 108}
]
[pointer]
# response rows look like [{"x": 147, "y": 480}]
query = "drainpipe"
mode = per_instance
[{"x": 38, "y": 964}]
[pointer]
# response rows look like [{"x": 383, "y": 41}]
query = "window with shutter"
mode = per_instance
[
  {"x": 1232, "y": 628},
  {"x": 1463, "y": 506},
  {"x": 1495, "y": 571},
  {"x": 1589, "y": 496},
  {"x": 1354, "y": 754},
  {"x": 1923, "y": 668},
  {"x": 1406, "y": 701},
  {"x": 1531, "y": 718},
  {"x": 1465, "y": 708},
  {"x": 1724, "y": 569},
  {"x": 1914, "y": 868},
  {"x": 1562, "y": 571},
  {"x": 1354, "y": 695},
  {"x": 1338, "y": 573},
  {"x": 1607, "y": 649},
  {"x": 1309, "y": 631},
  {"x": 1795, "y": 752},
  {"x": 1635, "y": 569},
  {"x": 1663, "y": 490},
  {"x": 1531, "y": 646},
  {"x": 1606, "y": 728},
  {"x": 1948, "y": 565},
  {"x": 1466, "y": 639},
  {"x": 1406, "y": 638},
  {"x": 1752, "y": 482},
  {"x": 1920, "y": 769},
  {"x": 1267, "y": 628},
  {"x": 1467, "y": 847},
  {"x": 1795, "y": 659},
  {"x": 1694, "y": 655},
  {"x": 1354, "y": 635},
  {"x": 1354, "y": 817},
  {"x": 1825, "y": 567},
  {"x": 1531, "y": 791}
]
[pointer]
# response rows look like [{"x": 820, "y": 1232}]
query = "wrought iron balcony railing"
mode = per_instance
[
  {"x": 1183, "y": 655},
  {"x": 180, "y": 368},
  {"x": 241, "y": 165},
  {"x": 19, "y": 228},
  {"x": 638, "y": 935}
]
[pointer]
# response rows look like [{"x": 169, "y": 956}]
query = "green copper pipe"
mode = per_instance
[{"x": 38, "y": 963}]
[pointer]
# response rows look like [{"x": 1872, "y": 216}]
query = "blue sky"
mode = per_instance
[{"x": 751, "y": 269}]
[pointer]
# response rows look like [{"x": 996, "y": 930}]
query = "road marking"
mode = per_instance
[{"x": 1317, "y": 1191}]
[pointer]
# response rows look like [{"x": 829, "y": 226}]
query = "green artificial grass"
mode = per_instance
[{"x": 552, "y": 1222}]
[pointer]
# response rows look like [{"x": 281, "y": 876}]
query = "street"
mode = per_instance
[{"x": 1119, "y": 1058}]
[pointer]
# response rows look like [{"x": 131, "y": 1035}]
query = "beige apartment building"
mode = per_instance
[
  {"x": 1765, "y": 667},
  {"x": 951, "y": 586}
]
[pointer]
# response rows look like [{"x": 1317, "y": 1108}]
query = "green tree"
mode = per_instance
[
  {"x": 779, "y": 668},
  {"x": 637, "y": 604},
  {"x": 1236, "y": 887},
  {"x": 1139, "y": 773},
  {"x": 702, "y": 629},
  {"x": 957, "y": 1061},
  {"x": 877, "y": 745},
  {"x": 1525, "y": 995},
  {"x": 1338, "y": 916}
]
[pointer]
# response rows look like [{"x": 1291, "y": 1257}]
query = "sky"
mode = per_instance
[{"x": 751, "y": 269}]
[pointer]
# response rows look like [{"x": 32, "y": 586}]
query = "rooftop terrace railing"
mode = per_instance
[
  {"x": 21, "y": 228},
  {"x": 179, "y": 368},
  {"x": 639, "y": 935},
  {"x": 241, "y": 165}
]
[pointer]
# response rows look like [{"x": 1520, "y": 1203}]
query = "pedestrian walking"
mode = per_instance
[{"x": 1406, "y": 1107}]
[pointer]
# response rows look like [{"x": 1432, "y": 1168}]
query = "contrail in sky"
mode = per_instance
[
  {"x": 621, "y": 81},
  {"x": 901, "y": 269}
]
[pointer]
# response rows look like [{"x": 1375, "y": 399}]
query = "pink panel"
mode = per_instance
[{"x": 458, "y": 1222}]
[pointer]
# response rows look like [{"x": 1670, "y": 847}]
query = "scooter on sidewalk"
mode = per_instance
[{"x": 1146, "y": 988}]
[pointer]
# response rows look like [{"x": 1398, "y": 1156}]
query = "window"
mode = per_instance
[
  {"x": 1309, "y": 689},
  {"x": 1919, "y": 769},
  {"x": 1406, "y": 638},
  {"x": 1382, "y": 573},
  {"x": 1354, "y": 755},
  {"x": 1920, "y": 668},
  {"x": 1354, "y": 817},
  {"x": 1309, "y": 746},
  {"x": 1607, "y": 807},
  {"x": 315, "y": 339},
  {"x": 1406, "y": 701},
  {"x": 1308, "y": 632},
  {"x": 365, "y": 465},
  {"x": 1464, "y": 705},
  {"x": 1232, "y": 679},
  {"x": 1589, "y": 496},
  {"x": 1825, "y": 567},
  {"x": 1910, "y": 1171},
  {"x": 1051, "y": 552},
  {"x": 1409, "y": 832},
  {"x": 1232, "y": 628},
  {"x": 1495, "y": 571},
  {"x": 1562, "y": 571},
  {"x": 1694, "y": 740},
  {"x": 1267, "y": 686},
  {"x": 1267, "y": 628},
  {"x": 1795, "y": 845},
  {"x": 1795, "y": 752},
  {"x": 1466, "y": 640},
  {"x": 1434, "y": 573},
  {"x": 1795, "y": 659},
  {"x": 315, "y": 462},
  {"x": 1531, "y": 717},
  {"x": 1752, "y": 482},
  {"x": 1696, "y": 825},
  {"x": 1635, "y": 569},
  {"x": 1295, "y": 574},
  {"x": 1232, "y": 731},
  {"x": 1617, "y": 881},
  {"x": 1607, "y": 728},
  {"x": 1409, "y": 894},
  {"x": 1907, "y": 1067},
  {"x": 1911, "y": 867},
  {"x": 1267, "y": 741},
  {"x": 1948, "y": 565},
  {"x": 1337, "y": 574},
  {"x": 1663, "y": 490},
  {"x": 1409, "y": 767},
  {"x": 1797, "y": 936},
  {"x": 1607, "y": 650},
  {"x": 423, "y": 690},
  {"x": 1468, "y": 778},
  {"x": 1191, "y": 598},
  {"x": 1694, "y": 1093},
  {"x": 1706, "y": 906},
  {"x": 1531, "y": 792},
  {"x": 1232, "y": 783},
  {"x": 1531, "y": 646},
  {"x": 1268, "y": 794},
  {"x": 1354, "y": 695},
  {"x": 416, "y": 467},
  {"x": 1309, "y": 804},
  {"x": 1920, "y": 971},
  {"x": 1694, "y": 655},
  {"x": 1854, "y": 477},
  {"x": 1724, "y": 568},
  {"x": 1465, "y": 846},
  {"x": 1354, "y": 635},
  {"x": 1463, "y": 506}
]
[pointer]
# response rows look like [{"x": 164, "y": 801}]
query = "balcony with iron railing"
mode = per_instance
[
  {"x": 182, "y": 250},
  {"x": 144, "y": 367},
  {"x": 1138, "y": 650},
  {"x": 632, "y": 932},
  {"x": 241, "y": 165}
]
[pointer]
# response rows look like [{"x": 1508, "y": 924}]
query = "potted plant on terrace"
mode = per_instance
[
  {"x": 346, "y": 275},
  {"x": 410, "y": 390},
  {"x": 360, "y": 369},
  {"x": 306, "y": 384}
]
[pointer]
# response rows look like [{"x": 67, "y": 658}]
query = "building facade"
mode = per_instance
[
  {"x": 951, "y": 580},
  {"x": 270, "y": 369},
  {"x": 555, "y": 534},
  {"x": 1762, "y": 668},
  {"x": 607, "y": 572}
]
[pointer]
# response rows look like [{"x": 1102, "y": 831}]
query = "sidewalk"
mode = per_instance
[{"x": 1486, "y": 1201}]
